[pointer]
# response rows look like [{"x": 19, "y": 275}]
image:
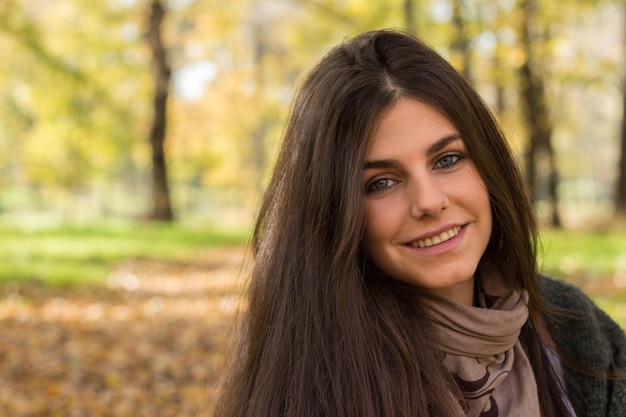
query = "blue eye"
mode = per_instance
[
  {"x": 448, "y": 161},
  {"x": 380, "y": 184}
]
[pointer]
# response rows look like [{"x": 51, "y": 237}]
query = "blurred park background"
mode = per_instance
[{"x": 137, "y": 135}]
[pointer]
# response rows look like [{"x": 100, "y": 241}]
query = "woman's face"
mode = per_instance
[{"x": 427, "y": 210}]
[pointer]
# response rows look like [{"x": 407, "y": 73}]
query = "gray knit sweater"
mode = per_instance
[{"x": 586, "y": 334}]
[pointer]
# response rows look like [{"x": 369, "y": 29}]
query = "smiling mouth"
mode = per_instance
[{"x": 435, "y": 240}]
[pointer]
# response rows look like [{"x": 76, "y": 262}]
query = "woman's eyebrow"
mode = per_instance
[
  {"x": 392, "y": 163},
  {"x": 442, "y": 143},
  {"x": 381, "y": 163}
]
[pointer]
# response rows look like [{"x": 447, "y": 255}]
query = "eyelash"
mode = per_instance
[
  {"x": 456, "y": 158},
  {"x": 370, "y": 186}
]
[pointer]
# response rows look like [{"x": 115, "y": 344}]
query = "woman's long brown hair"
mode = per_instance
[{"x": 325, "y": 333}]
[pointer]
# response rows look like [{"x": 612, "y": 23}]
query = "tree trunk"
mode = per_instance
[
  {"x": 498, "y": 69},
  {"x": 260, "y": 27},
  {"x": 162, "y": 209},
  {"x": 540, "y": 156},
  {"x": 461, "y": 44},
  {"x": 620, "y": 191},
  {"x": 410, "y": 21},
  {"x": 620, "y": 186}
]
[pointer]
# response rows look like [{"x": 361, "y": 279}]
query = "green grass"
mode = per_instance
[
  {"x": 593, "y": 260},
  {"x": 596, "y": 253},
  {"x": 77, "y": 255}
]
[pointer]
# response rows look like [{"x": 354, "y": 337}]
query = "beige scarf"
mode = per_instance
[{"x": 483, "y": 351}]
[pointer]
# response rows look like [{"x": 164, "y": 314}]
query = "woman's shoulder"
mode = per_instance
[
  {"x": 581, "y": 329},
  {"x": 569, "y": 305},
  {"x": 588, "y": 336},
  {"x": 565, "y": 295}
]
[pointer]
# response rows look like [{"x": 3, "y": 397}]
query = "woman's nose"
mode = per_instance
[{"x": 427, "y": 198}]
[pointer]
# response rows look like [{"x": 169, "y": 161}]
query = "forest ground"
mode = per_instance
[{"x": 150, "y": 342}]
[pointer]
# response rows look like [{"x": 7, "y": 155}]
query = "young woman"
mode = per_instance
[{"x": 395, "y": 261}]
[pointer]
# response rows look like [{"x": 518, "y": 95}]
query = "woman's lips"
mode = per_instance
[{"x": 437, "y": 239}]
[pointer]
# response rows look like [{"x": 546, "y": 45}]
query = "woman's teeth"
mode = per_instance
[{"x": 435, "y": 240}]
